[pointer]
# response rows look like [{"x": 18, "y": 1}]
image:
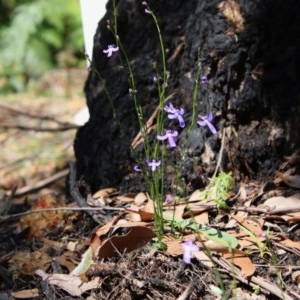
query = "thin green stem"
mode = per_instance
[
  {"x": 115, "y": 116},
  {"x": 132, "y": 84}
]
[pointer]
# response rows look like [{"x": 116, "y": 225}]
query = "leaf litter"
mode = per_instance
[{"x": 252, "y": 241}]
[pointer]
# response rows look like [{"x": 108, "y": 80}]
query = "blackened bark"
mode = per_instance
[{"x": 250, "y": 51}]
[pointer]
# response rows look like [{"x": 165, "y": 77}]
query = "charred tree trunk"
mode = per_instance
[{"x": 250, "y": 52}]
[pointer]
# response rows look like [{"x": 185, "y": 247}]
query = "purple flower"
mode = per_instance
[
  {"x": 170, "y": 134},
  {"x": 175, "y": 113},
  {"x": 110, "y": 49},
  {"x": 136, "y": 168},
  {"x": 263, "y": 234},
  {"x": 206, "y": 121},
  {"x": 188, "y": 248},
  {"x": 154, "y": 79},
  {"x": 153, "y": 164},
  {"x": 147, "y": 10},
  {"x": 169, "y": 198},
  {"x": 204, "y": 79}
]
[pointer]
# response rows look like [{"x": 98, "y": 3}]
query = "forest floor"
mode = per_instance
[{"x": 69, "y": 254}]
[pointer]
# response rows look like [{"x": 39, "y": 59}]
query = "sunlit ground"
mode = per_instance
[{"x": 28, "y": 155}]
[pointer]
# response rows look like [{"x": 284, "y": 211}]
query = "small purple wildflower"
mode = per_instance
[
  {"x": 153, "y": 164},
  {"x": 169, "y": 198},
  {"x": 189, "y": 248},
  {"x": 110, "y": 49},
  {"x": 263, "y": 234},
  {"x": 154, "y": 79},
  {"x": 147, "y": 10},
  {"x": 136, "y": 168},
  {"x": 170, "y": 134},
  {"x": 204, "y": 79},
  {"x": 206, "y": 121},
  {"x": 175, "y": 113}
]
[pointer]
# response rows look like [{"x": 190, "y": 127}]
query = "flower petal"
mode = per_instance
[
  {"x": 172, "y": 116},
  {"x": 209, "y": 117},
  {"x": 211, "y": 128},
  {"x": 171, "y": 142},
  {"x": 202, "y": 123},
  {"x": 161, "y": 137},
  {"x": 174, "y": 133}
]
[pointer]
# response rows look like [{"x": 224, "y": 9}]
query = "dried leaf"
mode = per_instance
[
  {"x": 138, "y": 236},
  {"x": 140, "y": 199},
  {"x": 213, "y": 246},
  {"x": 240, "y": 258},
  {"x": 25, "y": 294},
  {"x": 254, "y": 227},
  {"x": 133, "y": 213},
  {"x": 71, "y": 284},
  {"x": 204, "y": 259},
  {"x": 277, "y": 204},
  {"x": 202, "y": 218},
  {"x": 178, "y": 213},
  {"x": 292, "y": 244},
  {"x": 137, "y": 215},
  {"x": 65, "y": 260},
  {"x": 149, "y": 207},
  {"x": 146, "y": 216},
  {"x": 126, "y": 198},
  {"x": 197, "y": 195},
  {"x": 290, "y": 180},
  {"x": 104, "y": 193},
  {"x": 174, "y": 246}
]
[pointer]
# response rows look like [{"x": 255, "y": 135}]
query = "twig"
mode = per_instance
[
  {"x": 220, "y": 154},
  {"x": 267, "y": 210},
  {"x": 39, "y": 184},
  {"x": 32, "y": 115},
  {"x": 77, "y": 196},
  {"x": 253, "y": 280},
  {"x": 35, "y": 211},
  {"x": 41, "y": 129},
  {"x": 185, "y": 295}
]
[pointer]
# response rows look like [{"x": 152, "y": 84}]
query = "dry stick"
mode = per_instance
[
  {"x": 45, "y": 129},
  {"x": 76, "y": 194},
  {"x": 39, "y": 184},
  {"x": 185, "y": 295},
  {"x": 267, "y": 210},
  {"x": 81, "y": 202},
  {"x": 220, "y": 154},
  {"x": 35, "y": 211},
  {"x": 32, "y": 115},
  {"x": 253, "y": 280},
  {"x": 11, "y": 165}
]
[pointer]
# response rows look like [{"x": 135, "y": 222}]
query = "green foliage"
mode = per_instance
[
  {"x": 37, "y": 36},
  {"x": 215, "y": 235},
  {"x": 219, "y": 187}
]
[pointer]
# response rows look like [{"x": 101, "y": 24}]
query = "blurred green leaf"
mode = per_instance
[
  {"x": 51, "y": 37},
  {"x": 37, "y": 59},
  {"x": 38, "y": 32}
]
